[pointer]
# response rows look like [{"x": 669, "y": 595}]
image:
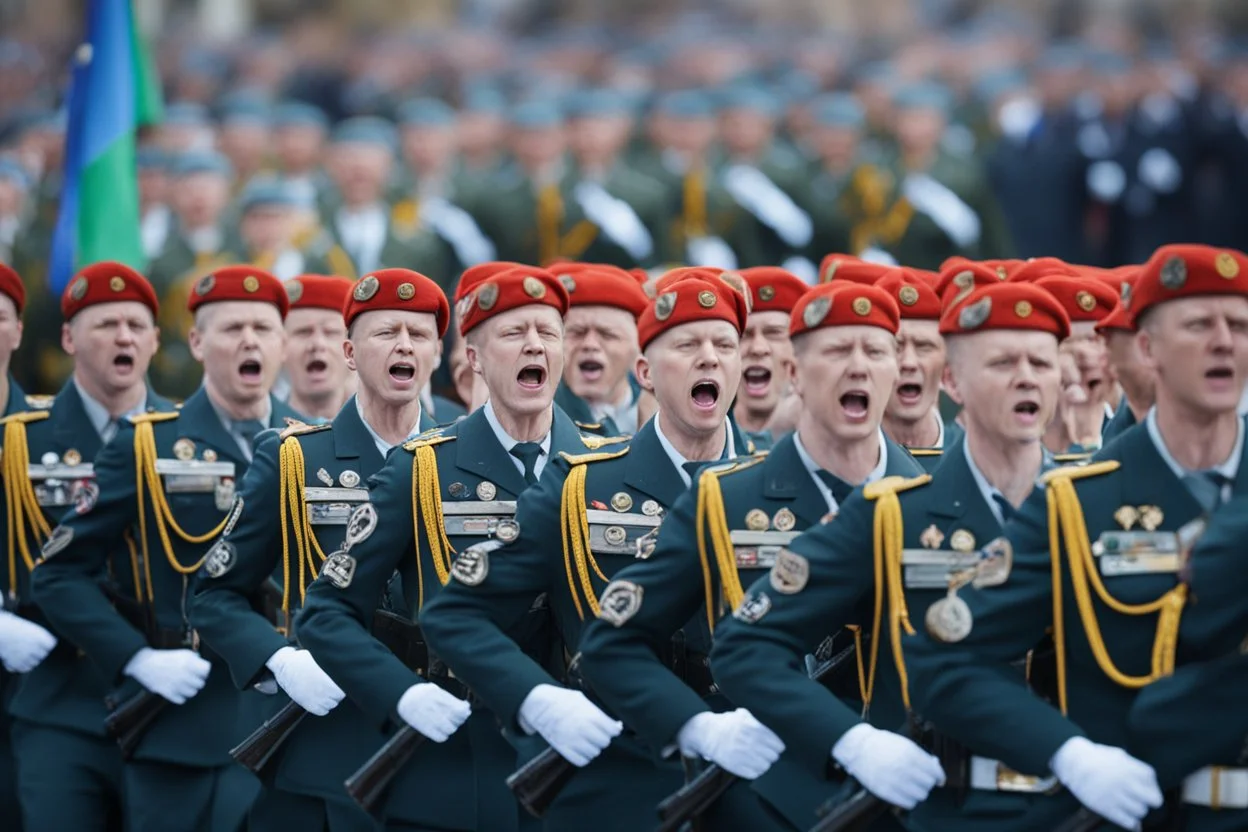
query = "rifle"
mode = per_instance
[
  {"x": 258, "y": 749},
  {"x": 370, "y": 781},
  {"x": 696, "y": 796},
  {"x": 129, "y": 719},
  {"x": 855, "y": 813},
  {"x": 1085, "y": 820}
]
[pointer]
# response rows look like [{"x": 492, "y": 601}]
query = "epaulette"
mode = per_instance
[
  {"x": 596, "y": 442},
  {"x": 26, "y": 417},
  {"x": 588, "y": 425},
  {"x": 894, "y": 485},
  {"x": 925, "y": 451},
  {"x": 1074, "y": 457},
  {"x": 39, "y": 402},
  {"x": 733, "y": 466},
  {"x": 1079, "y": 472},
  {"x": 153, "y": 418},
  {"x": 583, "y": 459},
  {"x": 427, "y": 440},
  {"x": 296, "y": 428}
]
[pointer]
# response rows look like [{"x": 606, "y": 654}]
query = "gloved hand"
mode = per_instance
[
  {"x": 301, "y": 677},
  {"x": 888, "y": 765},
  {"x": 735, "y": 741},
  {"x": 432, "y": 711},
  {"x": 1107, "y": 780},
  {"x": 177, "y": 675},
  {"x": 23, "y": 644},
  {"x": 574, "y": 726}
]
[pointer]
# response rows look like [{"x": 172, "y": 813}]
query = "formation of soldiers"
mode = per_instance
[{"x": 718, "y": 549}]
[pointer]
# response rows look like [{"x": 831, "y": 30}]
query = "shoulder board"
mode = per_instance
[
  {"x": 26, "y": 417},
  {"x": 1082, "y": 456},
  {"x": 725, "y": 468},
  {"x": 925, "y": 451},
  {"x": 583, "y": 459},
  {"x": 141, "y": 418},
  {"x": 1080, "y": 472},
  {"x": 596, "y": 442},
  {"x": 894, "y": 485},
  {"x": 588, "y": 425},
  {"x": 39, "y": 402},
  {"x": 427, "y": 440},
  {"x": 297, "y": 428}
]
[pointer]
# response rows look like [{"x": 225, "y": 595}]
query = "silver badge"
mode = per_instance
[
  {"x": 486, "y": 491},
  {"x": 615, "y": 535},
  {"x": 790, "y": 573},
  {"x": 507, "y": 530},
  {"x": 323, "y": 476},
  {"x": 349, "y": 479},
  {"x": 220, "y": 558},
  {"x": 223, "y": 493},
  {"x": 753, "y": 608},
  {"x": 84, "y": 494},
  {"x": 949, "y": 619},
  {"x": 646, "y": 544},
  {"x": 1174, "y": 273},
  {"x": 650, "y": 508},
  {"x": 49, "y": 459},
  {"x": 473, "y": 564},
  {"x": 339, "y": 569},
  {"x": 973, "y": 316},
  {"x": 61, "y": 537},
  {"x": 995, "y": 561},
  {"x": 620, "y": 601},
  {"x": 458, "y": 490},
  {"x": 361, "y": 525},
  {"x": 816, "y": 311},
  {"x": 235, "y": 512}
]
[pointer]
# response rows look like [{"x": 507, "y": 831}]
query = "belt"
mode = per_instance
[
  {"x": 403, "y": 638},
  {"x": 995, "y": 776},
  {"x": 167, "y": 639},
  {"x": 1217, "y": 787}
]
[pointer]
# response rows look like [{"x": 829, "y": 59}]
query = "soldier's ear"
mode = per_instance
[
  {"x": 348, "y": 352},
  {"x": 67, "y": 339},
  {"x": 1144, "y": 348},
  {"x": 642, "y": 371},
  {"x": 950, "y": 384}
]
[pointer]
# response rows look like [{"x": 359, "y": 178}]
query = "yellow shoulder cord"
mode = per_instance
[
  {"x": 145, "y": 474},
  {"x": 427, "y": 505},
  {"x": 694, "y": 204},
  {"x": 574, "y": 526},
  {"x": 24, "y": 514},
  {"x": 573, "y": 244},
  {"x": 549, "y": 218},
  {"x": 340, "y": 262},
  {"x": 293, "y": 516},
  {"x": 713, "y": 516},
  {"x": 1066, "y": 514},
  {"x": 888, "y": 541}
]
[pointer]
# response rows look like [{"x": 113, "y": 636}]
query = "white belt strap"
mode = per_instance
[
  {"x": 1218, "y": 788},
  {"x": 944, "y": 207},
  {"x": 459, "y": 229},
  {"x": 753, "y": 191},
  {"x": 615, "y": 218}
]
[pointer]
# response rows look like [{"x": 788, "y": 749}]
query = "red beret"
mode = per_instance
[
  {"x": 475, "y": 274},
  {"x": 733, "y": 280},
  {"x": 773, "y": 289},
  {"x": 1183, "y": 271},
  {"x": 11, "y": 285},
  {"x": 960, "y": 279},
  {"x": 1119, "y": 318},
  {"x": 1006, "y": 306},
  {"x": 844, "y": 303},
  {"x": 245, "y": 283},
  {"x": 831, "y": 264},
  {"x": 1083, "y": 299},
  {"x": 107, "y": 282},
  {"x": 1037, "y": 268},
  {"x": 852, "y": 270},
  {"x": 401, "y": 289},
  {"x": 915, "y": 297},
  {"x": 318, "y": 291},
  {"x": 593, "y": 285},
  {"x": 523, "y": 286},
  {"x": 691, "y": 299}
]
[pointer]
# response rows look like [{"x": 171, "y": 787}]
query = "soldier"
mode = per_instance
[
  {"x": 243, "y": 133},
  {"x": 298, "y": 141},
  {"x": 600, "y": 505},
  {"x": 912, "y": 418},
  {"x": 457, "y": 486},
  {"x": 69, "y": 770},
  {"x": 1134, "y": 380},
  {"x": 839, "y": 122},
  {"x": 321, "y": 381},
  {"x": 1142, "y": 493},
  {"x": 267, "y": 229},
  {"x": 395, "y": 318},
  {"x": 598, "y": 390},
  {"x": 766, "y": 351},
  {"x": 1002, "y": 342},
  {"x": 843, "y": 340},
  {"x": 165, "y": 483},
  {"x": 155, "y": 216}
]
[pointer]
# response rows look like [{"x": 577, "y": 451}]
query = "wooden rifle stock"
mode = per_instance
[
  {"x": 538, "y": 782},
  {"x": 258, "y": 750},
  {"x": 130, "y": 719},
  {"x": 855, "y": 813},
  {"x": 368, "y": 785}
]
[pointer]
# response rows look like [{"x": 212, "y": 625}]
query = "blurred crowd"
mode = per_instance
[{"x": 314, "y": 150}]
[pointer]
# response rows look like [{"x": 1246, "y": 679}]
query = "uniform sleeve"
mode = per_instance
[
  {"x": 336, "y": 621},
  {"x": 466, "y": 623},
  {"x": 759, "y": 660},
  {"x": 967, "y": 689},
  {"x": 221, "y": 607},
  {"x": 621, "y": 660},
  {"x": 67, "y": 582}
]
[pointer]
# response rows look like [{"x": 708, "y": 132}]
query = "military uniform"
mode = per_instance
[
  {"x": 765, "y": 502},
  {"x": 11, "y": 815}
]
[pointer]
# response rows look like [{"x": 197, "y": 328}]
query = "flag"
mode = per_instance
[{"x": 113, "y": 91}]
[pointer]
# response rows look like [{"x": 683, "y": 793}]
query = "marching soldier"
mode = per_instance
[
  {"x": 736, "y": 517},
  {"x": 395, "y": 318},
  {"x": 1003, "y": 345},
  {"x": 1135, "y": 382},
  {"x": 165, "y": 483},
  {"x": 456, "y": 486},
  {"x": 69, "y": 770},
  {"x": 598, "y": 390},
  {"x": 837, "y": 131},
  {"x": 912, "y": 418},
  {"x": 1114, "y": 617},
  {"x": 603, "y": 506},
  {"x": 298, "y": 140},
  {"x": 766, "y": 351},
  {"x": 321, "y": 381}
]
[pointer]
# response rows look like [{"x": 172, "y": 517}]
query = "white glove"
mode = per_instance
[
  {"x": 1107, "y": 780},
  {"x": 735, "y": 741},
  {"x": 23, "y": 644},
  {"x": 432, "y": 711},
  {"x": 888, "y": 765},
  {"x": 574, "y": 726},
  {"x": 177, "y": 675},
  {"x": 301, "y": 677}
]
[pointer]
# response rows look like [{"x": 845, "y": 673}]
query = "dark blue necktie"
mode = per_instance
[
  {"x": 1207, "y": 487},
  {"x": 247, "y": 429},
  {"x": 839, "y": 488},
  {"x": 528, "y": 453}
]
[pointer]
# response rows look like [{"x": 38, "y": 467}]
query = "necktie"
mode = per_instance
[
  {"x": 839, "y": 488},
  {"x": 247, "y": 429},
  {"x": 110, "y": 430},
  {"x": 1007, "y": 508},
  {"x": 528, "y": 453},
  {"x": 1206, "y": 487}
]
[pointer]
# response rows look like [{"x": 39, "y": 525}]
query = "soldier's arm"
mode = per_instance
[
  {"x": 968, "y": 689},
  {"x": 335, "y": 623},
  {"x": 68, "y": 579},
  {"x": 466, "y": 623},
  {"x": 759, "y": 659},
  {"x": 620, "y": 657},
  {"x": 222, "y": 610}
]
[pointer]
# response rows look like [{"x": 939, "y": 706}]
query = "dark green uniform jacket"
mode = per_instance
[{"x": 1123, "y": 418}]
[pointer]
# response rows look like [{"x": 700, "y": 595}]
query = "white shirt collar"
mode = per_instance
[
  {"x": 940, "y": 426},
  {"x": 99, "y": 416},
  {"x": 808, "y": 462},
  {"x": 675, "y": 456},
  {"x": 383, "y": 447},
  {"x": 1229, "y": 468},
  {"x": 623, "y": 412},
  {"x": 505, "y": 439},
  {"x": 204, "y": 240},
  {"x": 986, "y": 489},
  {"x": 228, "y": 422}
]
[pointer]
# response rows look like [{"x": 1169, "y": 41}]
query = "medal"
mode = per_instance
[{"x": 949, "y": 619}]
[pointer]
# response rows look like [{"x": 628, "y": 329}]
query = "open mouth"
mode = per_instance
[
  {"x": 249, "y": 370},
  {"x": 124, "y": 362},
  {"x": 856, "y": 403},
  {"x": 402, "y": 372},
  {"x": 1219, "y": 373},
  {"x": 591, "y": 370},
  {"x": 757, "y": 380},
  {"x": 316, "y": 367},
  {"x": 705, "y": 394},
  {"x": 532, "y": 377},
  {"x": 909, "y": 393},
  {"x": 1028, "y": 410}
]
